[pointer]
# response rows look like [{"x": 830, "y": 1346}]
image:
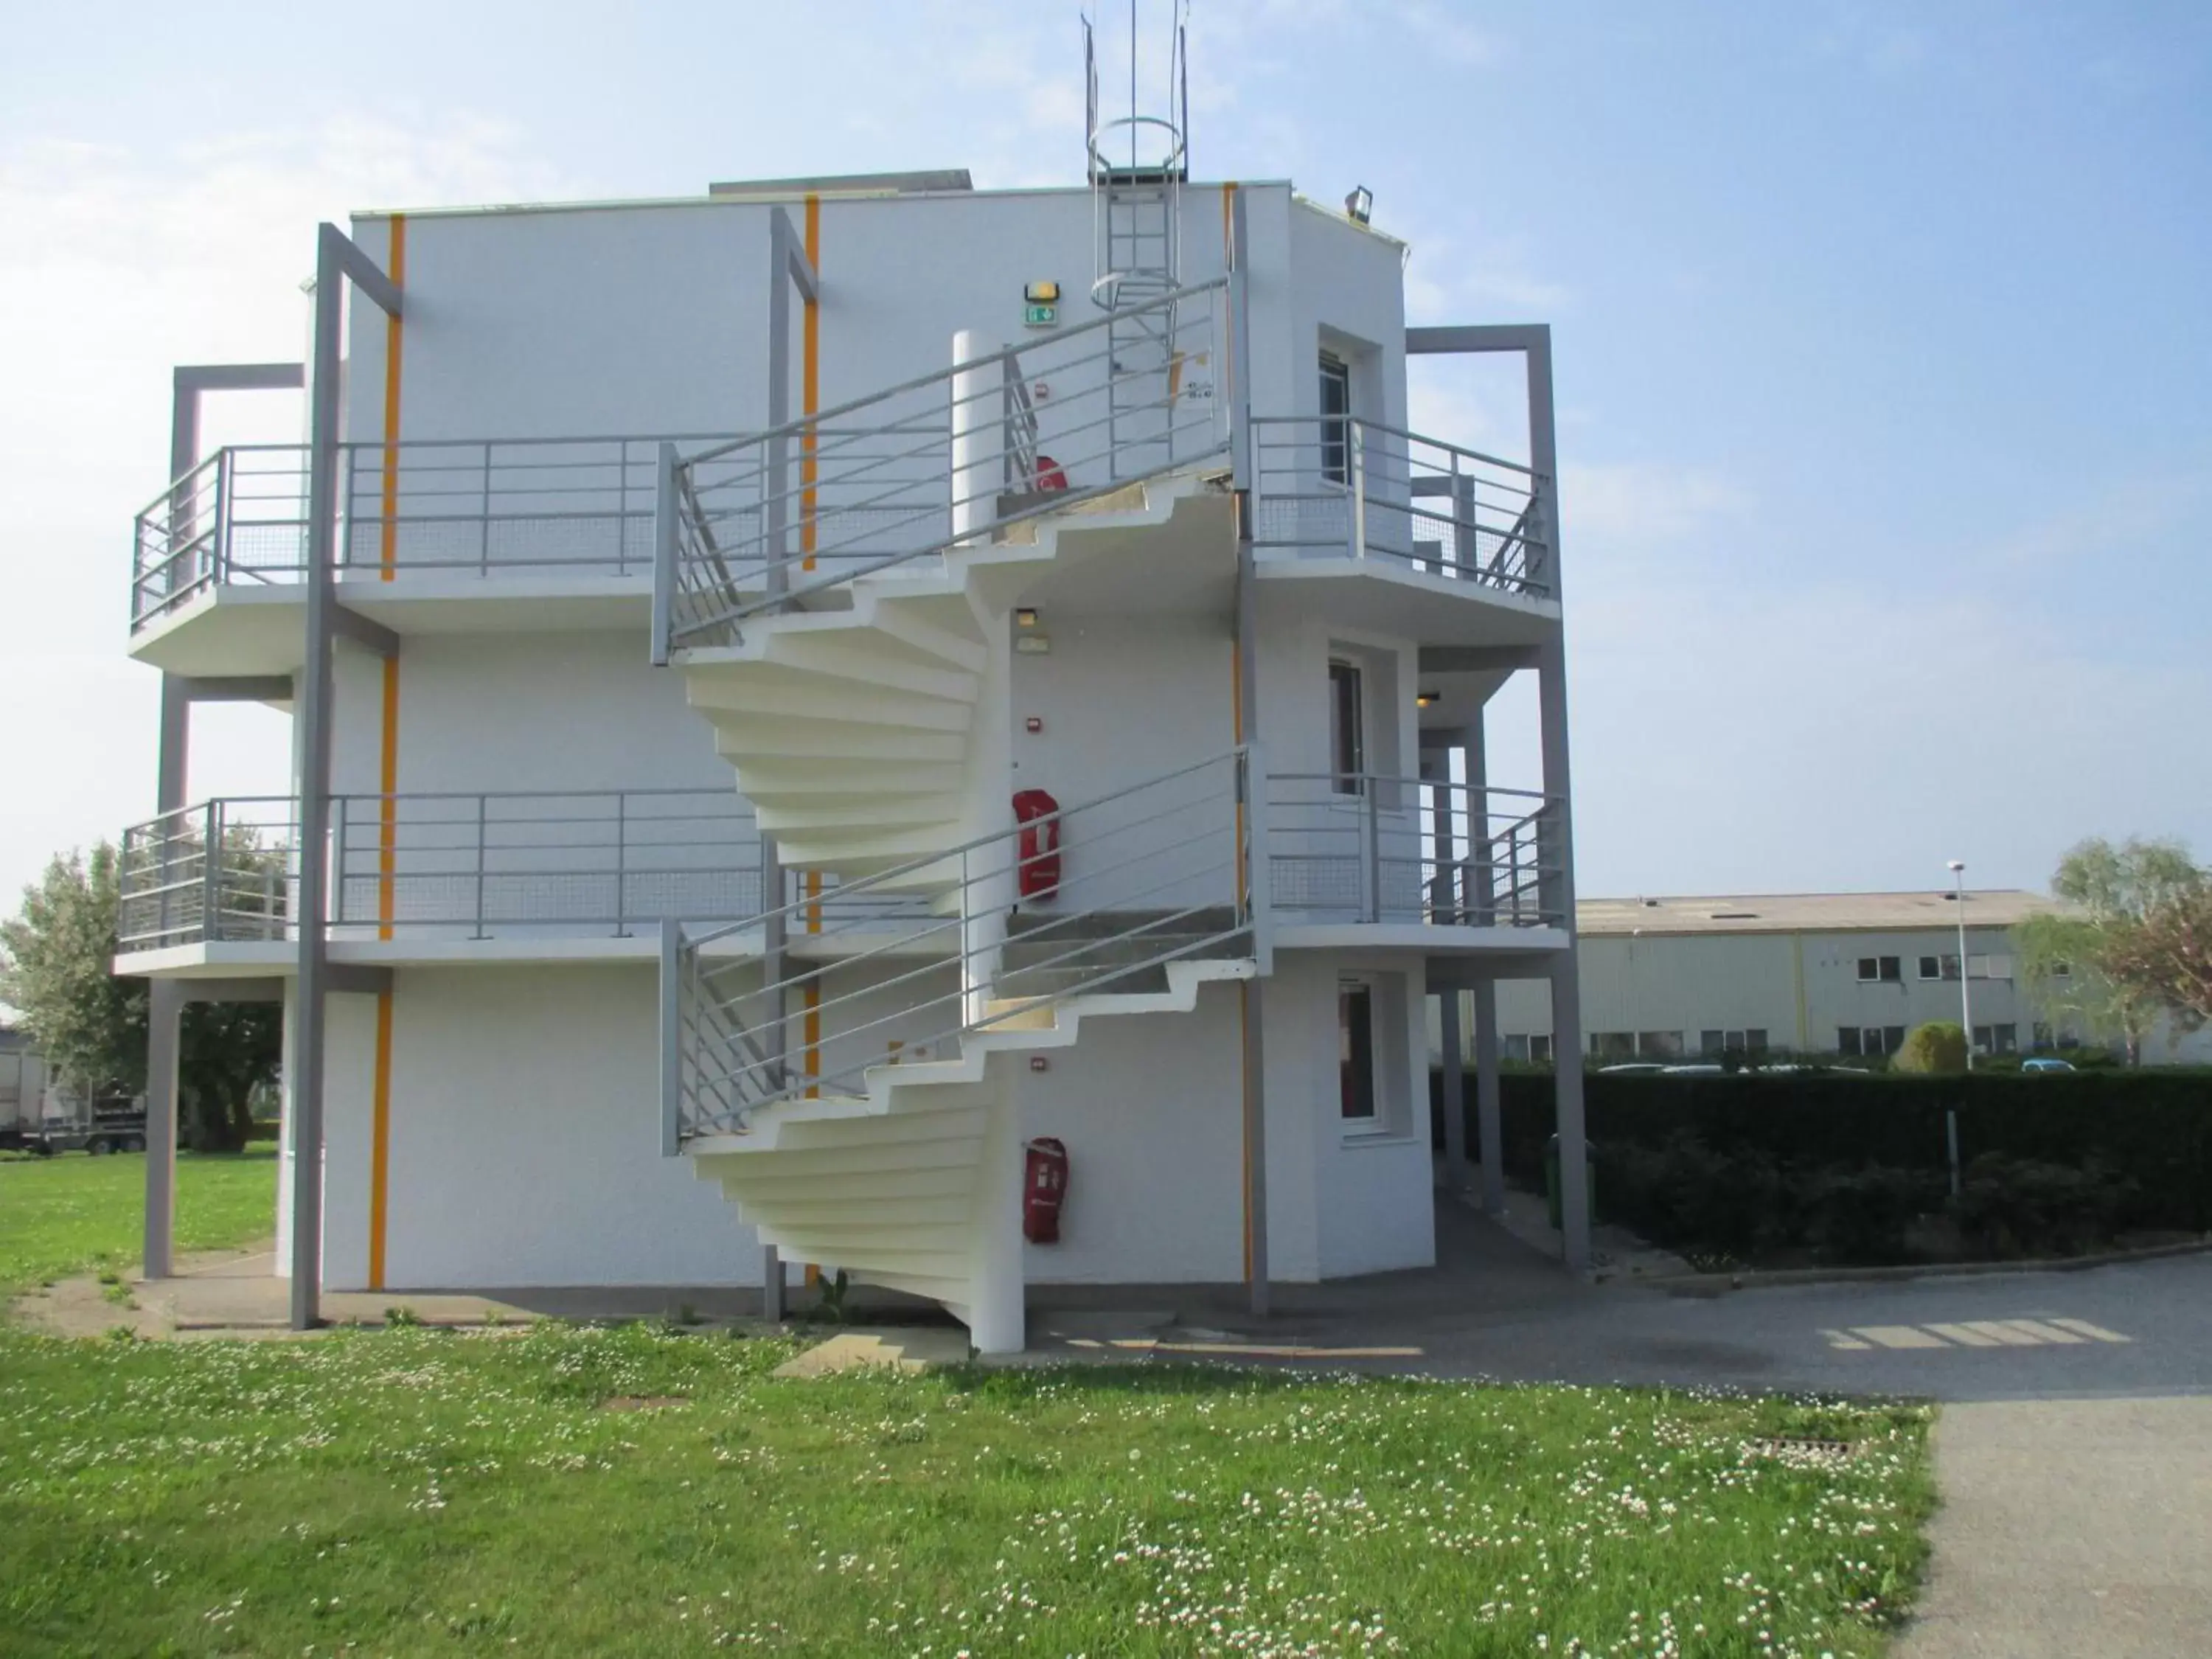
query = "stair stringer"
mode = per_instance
[
  {"x": 900, "y": 1186},
  {"x": 869, "y": 736}
]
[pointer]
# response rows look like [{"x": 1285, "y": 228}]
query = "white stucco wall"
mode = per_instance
[{"x": 533, "y": 1159}]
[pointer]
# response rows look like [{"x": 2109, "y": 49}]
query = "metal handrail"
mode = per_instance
[
  {"x": 1153, "y": 872},
  {"x": 915, "y": 469}
]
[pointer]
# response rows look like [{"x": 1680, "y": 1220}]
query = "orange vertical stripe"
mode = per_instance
[
  {"x": 379, "y": 1142},
  {"x": 810, "y": 382},
  {"x": 810, "y": 402},
  {"x": 395, "y": 268},
  {"x": 387, "y": 803}
]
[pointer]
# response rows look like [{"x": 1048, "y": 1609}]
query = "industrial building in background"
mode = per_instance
[
  {"x": 1672, "y": 981},
  {"x": 954, "y": 715}
]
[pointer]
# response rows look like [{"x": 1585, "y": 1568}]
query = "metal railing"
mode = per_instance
[
  {"x": 1337, "y": 486},
  {"x": 443, "y": 865},
  {"x": 222, "y": 870},
  {"x": 475, "y": 506},
  {"x": 1362, "y": 848},
  {"x": 902, "y": 475},
  {"x": 1157, "y": 872}
]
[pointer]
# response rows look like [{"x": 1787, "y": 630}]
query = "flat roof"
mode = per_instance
[{"x": 1808, "y": 913}]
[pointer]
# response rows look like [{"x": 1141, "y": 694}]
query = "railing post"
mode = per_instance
[
  {"x": 664, "y": 553},
  {"x": 1236, "y": 376},
  {"x": 483, "y": 805},
  {"x": 1371, "y": 830},
  {"x": 1258, "y": 872},
  {"x": 210, "y": 874},
  {"x": 621, "y": 506},
  {"x": 1356, "y": 470},
  {"x": 219, "y": 542},
  {"x": 622, "y": 866},
  {"x": 671, "y": 1037},
  {"x": 484, "y": 515},
  {"x": 342, "y": 553},
  {"x": 337, "y": 899}
]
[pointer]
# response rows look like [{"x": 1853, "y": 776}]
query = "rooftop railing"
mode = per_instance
[
  {"x": 1334, "y": 486},
  {"x": 471, "y": 508}
]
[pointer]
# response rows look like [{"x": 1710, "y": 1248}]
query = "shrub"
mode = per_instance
[
  {"x": 1938, "y": 1045},
  {"x": 1865, "y": 1216},
  {"x": 2009, "y": 1207}
]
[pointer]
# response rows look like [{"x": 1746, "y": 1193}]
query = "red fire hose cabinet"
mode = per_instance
[
  {"x": 1044, "y": 1188},
  {"x": 1038, "y": 865}
]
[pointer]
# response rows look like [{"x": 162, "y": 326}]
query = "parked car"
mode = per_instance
[{"x": 2045, "y": 1063}]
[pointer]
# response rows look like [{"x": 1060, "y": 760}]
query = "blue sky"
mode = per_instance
[{"x": 1884, "y": 347}]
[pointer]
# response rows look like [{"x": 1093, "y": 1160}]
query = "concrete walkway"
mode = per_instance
[{"x": 2070, "y": 1528}]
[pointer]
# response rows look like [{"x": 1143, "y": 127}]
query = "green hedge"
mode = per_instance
[{"x": 2152, "y": 1129}]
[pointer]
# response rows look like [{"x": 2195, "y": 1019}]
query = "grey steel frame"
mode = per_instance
[
  {"x": 1533, "y": 342},
  {"x": 165, "y": 1000}
]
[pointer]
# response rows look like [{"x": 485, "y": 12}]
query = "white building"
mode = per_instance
[
  {"x": 671, "y": 603},
  {"x": 1674, "y": 979}
]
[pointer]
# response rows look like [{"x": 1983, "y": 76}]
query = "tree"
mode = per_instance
[
  {"x": 2064, "y": 968},
  {"x": 1938, "y": 1045},
  {"x": 2124, "y": 959},
  {"x": 57, "y": 966},
  {"x": 2170, "y": 955}
]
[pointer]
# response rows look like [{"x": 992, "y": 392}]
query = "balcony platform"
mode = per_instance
[{"x": 243, "y": 629}]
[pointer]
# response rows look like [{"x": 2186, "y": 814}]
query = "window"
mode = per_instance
[
  {"x": 1540, "y": 1049},
  {"x": 1885, "y": 970},
  {"x": 1355, "y": 1050},
  {"x": 1847, "y": 1041},
  {"x": 1335, "y": 415},
  {"x": 2062, "y": 971},
  {"x": 1347, "y": 741},
  {"x": 1614, "y": 1045},
  {"x": 1659, "y": 1045},
  {"x": 1989, "y": 967},
  {"x": 1750, "y": 1041},
  {"x": 1943, "y": 967},
  {"x": 1870, "y": 1040}
]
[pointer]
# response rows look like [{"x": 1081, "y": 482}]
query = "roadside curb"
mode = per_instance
[{"x": 1715, "y": 1284}]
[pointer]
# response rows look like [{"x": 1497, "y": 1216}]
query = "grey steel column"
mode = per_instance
[
  {"x": 165, "y": 1006},
  {"x": 1557, "y": 885},
  {"x": 337, "y": 262},
  {"x": 314, "y": 717},
  {"x": 1489, "y": 1124},
  {"x": 1453, "y": 1064},
  {"x": 1250, "y": 991}
]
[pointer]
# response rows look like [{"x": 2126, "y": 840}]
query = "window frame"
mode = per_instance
[
  {"x": 1360, "y": 988},
  {"x": 1335, "y": 377}
]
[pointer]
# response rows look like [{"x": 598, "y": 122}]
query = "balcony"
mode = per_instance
[
  {"x": 1339, "y": 502},
  {"x": 1363, "y": 851},
  {"x": 440, "y": 869},
  {"x": 562, "y": 522}
]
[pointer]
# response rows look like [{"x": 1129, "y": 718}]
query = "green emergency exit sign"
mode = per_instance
[{"x": 1040, "y": 316}]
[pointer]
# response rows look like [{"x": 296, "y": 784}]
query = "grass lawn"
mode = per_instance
[
  {"x": 566, "y": 1489},
  {"x": 73, "y": 1213}
]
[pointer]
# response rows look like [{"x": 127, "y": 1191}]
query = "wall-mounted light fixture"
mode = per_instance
[
  {"x": 1360, "y": 206},
  {"x": 1423, "y": 699},
  {"x": 1025, "y": 617}
]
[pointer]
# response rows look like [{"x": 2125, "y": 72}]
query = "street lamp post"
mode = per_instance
[{"x": 1966, "y": 994}]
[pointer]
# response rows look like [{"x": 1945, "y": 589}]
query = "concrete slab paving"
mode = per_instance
[
  {"x": 2070, "y": 1528},
  {"x": 905, "y": 1348}
]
